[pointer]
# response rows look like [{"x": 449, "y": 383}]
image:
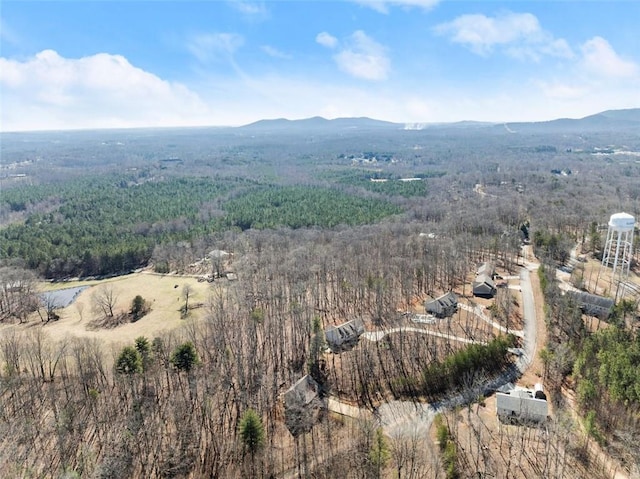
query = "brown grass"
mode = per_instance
[{"x": 162, "y": 292}]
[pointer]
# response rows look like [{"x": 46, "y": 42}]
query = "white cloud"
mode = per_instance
[
  {"x": 557, "y": 48},
  {"x": 208, "y": 47},
  {"x": 256, "y": 9},
  {"x": 481, "y": 33},
  {"x": 364, "y": 58},
  {"x": 52, "y": 92},
  {"x": 48, "y": 91},
  {"x": 600, "y": 57},
  {"x": 519, "y": 33},
  {"x": 8, "y": 35},
  {"x": 275, "y": 53},
  {"x": 598, "y": 80},
  {"x": 326, "y": 40},
  {"x": 383, "y": 6},
  {"x": 543, "y": 46},
  {"x": 558, "y": 90}
]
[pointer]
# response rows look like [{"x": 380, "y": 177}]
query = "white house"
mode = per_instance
[{"x": 521, "y": 405}]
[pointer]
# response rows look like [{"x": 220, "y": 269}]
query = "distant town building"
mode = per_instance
[
  {"x": 345, "y": 335},
  {"x": 443, "y": 306}
]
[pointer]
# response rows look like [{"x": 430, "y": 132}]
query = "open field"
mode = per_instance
[{"x": 162, "y": 292}]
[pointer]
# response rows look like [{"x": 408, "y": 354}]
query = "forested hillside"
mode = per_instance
[
  {"x": 293, "y": 232},
  {"x": 108, "y": 225}
]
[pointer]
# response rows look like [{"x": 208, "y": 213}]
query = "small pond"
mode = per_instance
[{"x": 63, "y": 297}]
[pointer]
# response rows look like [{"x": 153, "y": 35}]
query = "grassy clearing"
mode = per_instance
[{"x": 162, "y": 292}]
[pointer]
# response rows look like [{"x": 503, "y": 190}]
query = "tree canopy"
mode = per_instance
[
  {"x": 252, "y": 431},
  {"x": 129, "y": 361},
  {"x": 184, "y": 357},
  {"x": 110, "y": 224}
]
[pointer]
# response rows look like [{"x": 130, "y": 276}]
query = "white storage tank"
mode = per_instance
[
  {"x": 622, "y": 222},
  {"x": 618, "y": 250}
]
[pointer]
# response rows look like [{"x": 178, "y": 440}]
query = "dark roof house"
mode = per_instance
[
  {"x": 345, "y": 335},
  {"x": 592, "y": 304},
  {"x": 302, "y": 405},
  {"x": 442, "y": 307},
  {"x": 484, "y": 286}
]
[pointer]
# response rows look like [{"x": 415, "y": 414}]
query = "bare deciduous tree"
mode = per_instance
[
  {"x": 187, "y": 290},
  {"x": 50, "y": 305},
  {"x": 104, "y": 301},
  {"x": 18, "y": 295}
]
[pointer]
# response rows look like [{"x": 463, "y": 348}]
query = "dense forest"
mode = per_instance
[
  {"x": 109, "y": 225},
  {"x": 320, "y": 227}
]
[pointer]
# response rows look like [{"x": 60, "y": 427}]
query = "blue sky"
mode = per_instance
[{"x": 111, "y": 64}]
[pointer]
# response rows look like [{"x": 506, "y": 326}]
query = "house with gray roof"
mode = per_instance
[
  {"x": 483, "y": 285},
  {"x": 302, "y": 405},
  {"x": 345, "y": 335},
  {"x": 443, "y": 306},
  {"x": 487, "y": 268},
  {"x": 592, "y": 304}
]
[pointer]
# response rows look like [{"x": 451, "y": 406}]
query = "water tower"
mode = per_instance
[{"x": 618, "y": 248}]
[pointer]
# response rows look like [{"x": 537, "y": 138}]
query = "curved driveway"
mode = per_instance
[{"x": 406, "y": 418}]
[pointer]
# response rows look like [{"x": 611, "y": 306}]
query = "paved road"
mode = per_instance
[
  {"x": 378, "y": 335},
  {"x": 530, "y": 336}
]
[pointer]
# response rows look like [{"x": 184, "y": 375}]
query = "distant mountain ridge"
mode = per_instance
[
  {"x": 627, "y": 118},
  {"x": 629, "y": 114},
  {"x": 610, "y": 119},
  {"x": 320, "y": 123}
]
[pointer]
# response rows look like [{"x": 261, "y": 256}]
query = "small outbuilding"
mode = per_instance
[
  {"x": 218, "y": 254},
  {"x": 302, "y": 405},
  {"x": 345, "y": 335},
  {"x": 442, "y": 307}
]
